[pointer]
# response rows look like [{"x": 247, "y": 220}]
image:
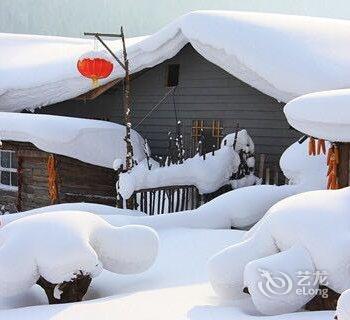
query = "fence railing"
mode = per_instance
[
  {"x": 269, "y": 175},
  {"x": 163, "y": 200},
  {"x": 169, "y": 199}
]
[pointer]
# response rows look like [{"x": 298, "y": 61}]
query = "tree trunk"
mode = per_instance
[
  {"x": 71, "y": 291},
  {"x": 318, "y": 303}
]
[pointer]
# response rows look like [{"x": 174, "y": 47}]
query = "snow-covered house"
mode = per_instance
[{"x": 209, "y": 69}]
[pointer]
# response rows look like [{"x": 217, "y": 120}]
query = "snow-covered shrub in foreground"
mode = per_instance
[
  {"x": 299, "y": 227},
  {"x": 59, "y": 246}
]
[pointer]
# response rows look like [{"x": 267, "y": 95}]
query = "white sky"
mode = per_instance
[{"x": 139, "y": 17}]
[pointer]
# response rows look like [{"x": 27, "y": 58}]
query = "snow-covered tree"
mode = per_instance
[
  {"x": 63, "y": 251},
  {"x": 306, "y": 234}
]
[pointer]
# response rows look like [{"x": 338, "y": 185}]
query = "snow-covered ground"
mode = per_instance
[{"x": 176, "y": 287}]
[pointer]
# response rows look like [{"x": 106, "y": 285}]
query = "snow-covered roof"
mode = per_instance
[
  {"x": 283, "y": 56},
  {"x": 323, "y": 115},
  {"x": 92, "y": 141}
]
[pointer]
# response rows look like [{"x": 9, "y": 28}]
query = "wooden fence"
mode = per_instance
[
  {"x": 169, "y": 199},
  {"x": 162, "y": 200},
  {"x": 269, "y": 175}
]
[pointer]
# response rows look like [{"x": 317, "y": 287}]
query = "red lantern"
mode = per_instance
[{"x": 95, "y": 65}]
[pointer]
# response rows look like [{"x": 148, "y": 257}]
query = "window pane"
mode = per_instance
[
  {"x": 173, "y": 75},
  {"x": 13, "y": 160},
  {"x": 5, "y": 178},
  {"x": 14, "y": 179},
  {"x": 5, "y": 159}
]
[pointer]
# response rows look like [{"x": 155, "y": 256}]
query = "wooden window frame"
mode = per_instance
[
  {"x": 215, "y": 127},
  {"x": 11, "y": 169}
]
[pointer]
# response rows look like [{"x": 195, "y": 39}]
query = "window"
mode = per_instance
[
  {"x": 212, "y": 132},
  {"x": 8, "y": 170},
  {"x": 173, "y": 75}
]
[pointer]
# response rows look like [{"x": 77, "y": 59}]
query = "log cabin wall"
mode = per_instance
[
  {"x": 77, "y": 181},
  {"x": 204, "y": 92}
]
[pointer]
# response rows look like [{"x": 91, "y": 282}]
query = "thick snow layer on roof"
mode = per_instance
[
  {"x": 323, "y": 115},
  {"x": 280, "y": 55},
  {"x": 92, "y": 141}
]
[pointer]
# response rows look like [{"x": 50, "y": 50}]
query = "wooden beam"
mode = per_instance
[
  {"x": 343, "y": 167},
  {"x": 94, "y": 93}
]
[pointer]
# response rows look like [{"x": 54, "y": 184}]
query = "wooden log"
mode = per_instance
[
  {"x": 319, "y": 303},
  {"x": 72, "y": 291}
]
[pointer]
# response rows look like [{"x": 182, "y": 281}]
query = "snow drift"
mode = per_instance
[
  {"x": 196, "y": 170},
  {"x": 207, "y": 175},
  {"x": 299, "y": 227},
  {"x": 92, "y": 141},
  {"x": 57, "y": 246},
  {"x": 282, "y": 56}
]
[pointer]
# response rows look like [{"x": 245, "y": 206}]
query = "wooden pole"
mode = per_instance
[
  {"x": 127, "y": 108},
  {"x": 343, "y": 167}
]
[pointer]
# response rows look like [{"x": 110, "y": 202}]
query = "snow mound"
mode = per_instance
[
  {"x": 343, "y": 306},
  {"x": 58, "y": 246},
  {"x": 243, "y": 141},
  {"x": 298, "y": 226},
  {"x": 322, "y": 115},
  {"x": 197, "y": 170},
  {"x": 258, "y": 48},
  {"x": 193, "y": 171},
  {"x": 120, "y": 216},
  {"x": 92, "y": 141},
  {"x": 306, "y": 172}
]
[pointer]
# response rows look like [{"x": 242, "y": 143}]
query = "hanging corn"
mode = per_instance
[
  {"x": 52, "y": 179},
  {"x": 321, "y": 146},
  {"x": 312, "y": 146},
  {"x": 333, "y": 162},
  {"x": 316, "y": 146}
]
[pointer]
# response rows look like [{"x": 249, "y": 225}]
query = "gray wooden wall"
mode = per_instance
[{"x": 205, "y": 92}]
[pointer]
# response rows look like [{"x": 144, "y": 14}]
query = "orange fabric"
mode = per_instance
[{"x": 52, "y": 179}]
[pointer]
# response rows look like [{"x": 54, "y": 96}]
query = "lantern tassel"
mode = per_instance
[{"x": 95, "y": 83}]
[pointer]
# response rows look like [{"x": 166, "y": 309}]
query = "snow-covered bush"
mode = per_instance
[
  {"x": 312, "y": 232},
  {"x": 208, "y": 174},
  {"x": 60, "y": 248}
]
